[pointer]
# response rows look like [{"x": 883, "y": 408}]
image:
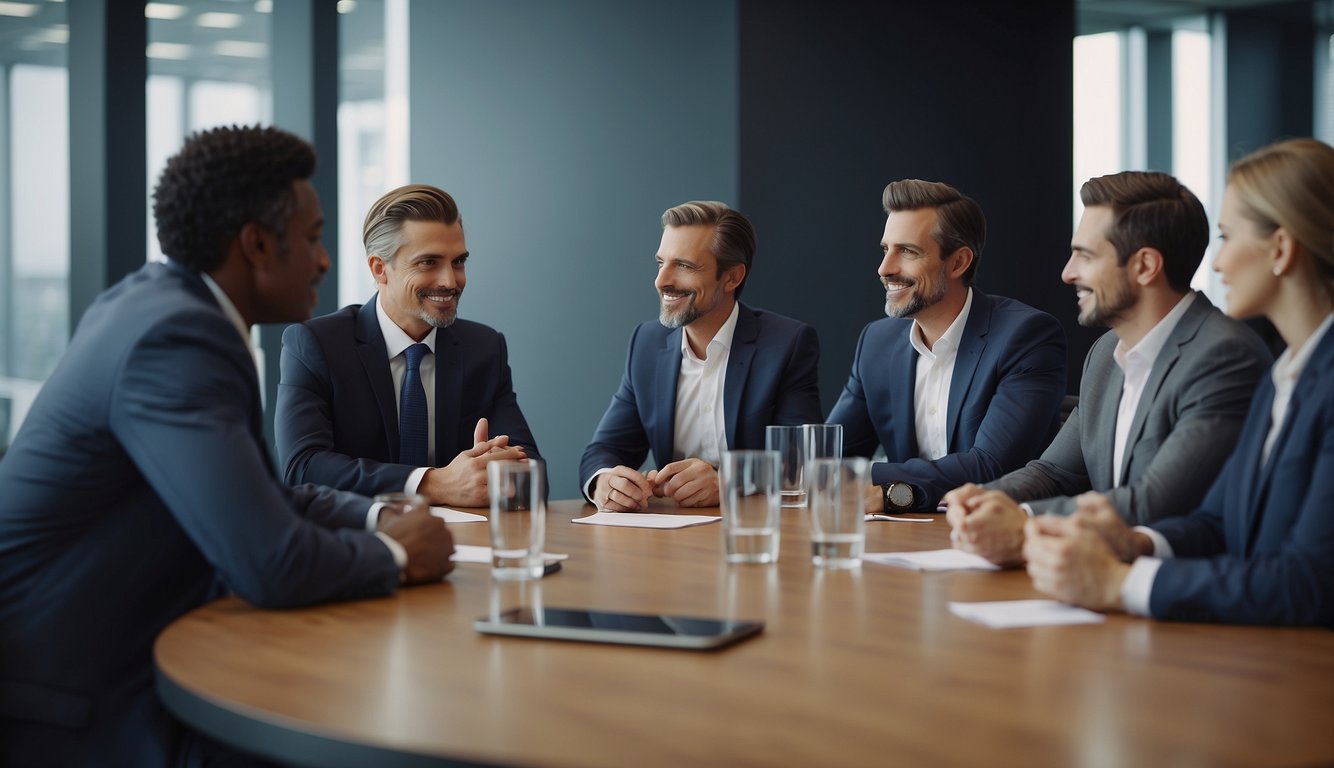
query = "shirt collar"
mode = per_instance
[
  {"x": 1146, "y": 351},
  {"x": 1290, "y": 364},
  {"x": 228, "y": 308},
  {"x": 395, "y": 339},
  {"x": 723, "y": 337},
  {"x": 949, "y": 340}
]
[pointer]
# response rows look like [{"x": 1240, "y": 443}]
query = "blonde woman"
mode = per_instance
[{"x": 1260, "y": 548}]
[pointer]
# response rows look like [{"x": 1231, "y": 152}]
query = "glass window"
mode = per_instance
[
  {"x": 372, "y": 127},
  {"x": 1099, "y": 124},
  {"x": 34, "y": 222}
]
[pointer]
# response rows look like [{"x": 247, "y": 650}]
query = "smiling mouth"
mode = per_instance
[
  {"x": 1082, "y": 293},
  {"x": 894, "y": 288},
  {"x": 671, "y": 297},
  {"x": 439, "y": 298}
]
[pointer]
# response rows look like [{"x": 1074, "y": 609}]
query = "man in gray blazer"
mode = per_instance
[{"x": 1163, "y": 396}]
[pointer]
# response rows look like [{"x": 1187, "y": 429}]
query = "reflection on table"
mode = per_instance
[{"x": 866, "y": 667}]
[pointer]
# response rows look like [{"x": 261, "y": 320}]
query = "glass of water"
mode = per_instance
[
  {"x": 790, "y": 444},
  {"x": 836, "y": 491},
  {"x": 750, "y": 502},
  {"x": 518, "y": 518}
]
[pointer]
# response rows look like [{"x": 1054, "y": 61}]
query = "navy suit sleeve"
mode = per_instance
[
  {"x": 304, "y": 425},
  {"x": 1029, "y": 386},
  {"x": 859, "y": 433},
  {"x": 620, "y": 437},
  {"x": 1274, "y": 565},
  {"x": 798, "y": 399},
  {"x": 188, "y": 428},
  {"x": 504, "y": 417}
]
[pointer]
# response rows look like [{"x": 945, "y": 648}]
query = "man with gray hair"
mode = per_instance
[
  {"x": 954, "y": 385},
  {"x": 707, "y": 377},
  {"x": 398, "y": 395}
]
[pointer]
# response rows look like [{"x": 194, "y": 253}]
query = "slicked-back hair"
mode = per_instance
[
  {"x": 1153, "y": 210},
  {"x": 221, "y": 180},
  {"x": 382, "y": 232},
  {"x": 1291, "y": 185},
  {"x": 959, "y": 219},
  {"x": 733, "y": 236}
]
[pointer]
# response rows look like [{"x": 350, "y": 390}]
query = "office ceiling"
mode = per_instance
[{"x": 1109, "y": 15}]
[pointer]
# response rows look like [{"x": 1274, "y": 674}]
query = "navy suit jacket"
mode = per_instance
[
  {"x": 771, "y": 379},
  {"x": 138, "y": 486},
  {"x": 336, "y": 421},
  {"x": 1004, "y": 403},
  {"x": 1260, "y": 548}
]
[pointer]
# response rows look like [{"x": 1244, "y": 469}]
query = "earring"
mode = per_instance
[{"x": 1278, "y": 271}]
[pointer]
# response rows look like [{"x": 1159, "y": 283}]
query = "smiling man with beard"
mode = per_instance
[
  {"x": 708, "y": 376},
  {"x": 398, "y": 394},
  {"x": 1163, "y": 396},
  {"x": 955, "y": 385}
]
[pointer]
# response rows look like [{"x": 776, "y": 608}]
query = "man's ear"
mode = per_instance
[
  {"x": 257, "y": 244},
  {"x": 732, "y": 277},
  {"x": 960, "y": 261},
  {"x": 378, "y": 269},
  {"x": 1145, "y": 265}
]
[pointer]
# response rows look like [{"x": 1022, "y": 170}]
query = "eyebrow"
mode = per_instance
[
  {"x": 1083, "y": 249},
  {"x": 675, "y": 260},
  {"x": 910, "y": 246}
]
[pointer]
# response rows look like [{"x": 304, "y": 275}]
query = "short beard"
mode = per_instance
[
  {"x": 1103, "y": 314},
  {"x": 918, "y": 302},
  {"x": 435, "y": 321},
  {"x": 679, "y": 319}
]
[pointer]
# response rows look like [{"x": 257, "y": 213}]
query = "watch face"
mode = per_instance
[{"x": 900, "y": 494}]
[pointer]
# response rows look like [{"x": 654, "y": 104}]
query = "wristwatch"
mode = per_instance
[{"x": 899, "y": 496}]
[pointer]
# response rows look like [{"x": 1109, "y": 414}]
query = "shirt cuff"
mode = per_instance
[
  {"x": 1161, "y": 549},
  {"x": 400, "y": 554},
  {"x": 373, "y": 516},
  {"x": 592, "y": 483},
  {"x": 1138, "y": 586},
  {"x": 1028, "y": 510},
  {"x": 415, "y": 479}
]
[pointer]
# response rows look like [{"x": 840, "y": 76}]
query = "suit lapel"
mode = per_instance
[
  {"x": 1103, "y": 473},
  {"x": 664, "y": 404},
  {"x": 971, "y": 345},
  {"x": 738, "y": 370},
  {"x": 448, "y": 394},
  {"x": 1255, "y": 478},
  {"x": 902, "y": 364},
  {"x": 375, "y": 361}
]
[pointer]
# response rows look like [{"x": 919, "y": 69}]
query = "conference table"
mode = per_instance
[{"x": 863, "y": 667}]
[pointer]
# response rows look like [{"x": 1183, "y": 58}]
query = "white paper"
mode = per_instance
[
  {"x": 893, "y": 519},
  {"x": 468, "y": 553},
  {"x": 455, "y": 516},
  {"x": 1006, "y": 614},
  {"x": 933, "y": 560},
  {"x": 644, "y": 520}
]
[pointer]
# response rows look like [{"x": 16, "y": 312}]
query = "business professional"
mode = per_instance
[
  {"x": 1164, "y": 394},
  {"x": 954, "y": 384},
  {"x": 398, "y": 394},
  {"x": 708, "y": 376},
  {"x": 1260, "y": 549},
  {"x": 139, "y": 484}
]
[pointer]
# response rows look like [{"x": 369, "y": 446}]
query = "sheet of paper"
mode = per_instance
[
  {"x": 455, "y": 516},
  {"x": 468, "y": 553},
  {"x": 1006, "y": 614},
  {"x": 893, "y": 519},
  {"x": 646, "y": 520},
  {"x": 932, "y": 560}
]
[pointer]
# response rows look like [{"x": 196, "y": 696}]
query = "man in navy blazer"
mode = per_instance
[
  {"x": 708, "y": 376},
  {"x": 337, "y": 420},
  {"x": 139, "y": 486},
  {"x": 954, "y": 385}
]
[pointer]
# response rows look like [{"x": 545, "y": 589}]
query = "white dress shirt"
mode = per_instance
[
  {"x": 931, "y": 393},
  {"x": 1138, "y": 586},
  {"x": 395, "y": 342},
  {"x": 1136, "y": 363},
  {"x": 233, "y": 314},
  {"x": 700, "y": 430}
]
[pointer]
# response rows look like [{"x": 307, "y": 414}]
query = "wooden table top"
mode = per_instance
[{"x": 866, "y": 667}]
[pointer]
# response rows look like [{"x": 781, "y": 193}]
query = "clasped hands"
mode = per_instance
[
  {"x": 689, "y": 482},
  {"x": 462, "y": 482},
  {"x": 1081, "y": 559}
]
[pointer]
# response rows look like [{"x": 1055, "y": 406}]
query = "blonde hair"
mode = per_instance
[{"x": 1291, "y": 185}]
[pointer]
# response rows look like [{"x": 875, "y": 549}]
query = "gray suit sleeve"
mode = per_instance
[{"x": 1049, "y": 482}]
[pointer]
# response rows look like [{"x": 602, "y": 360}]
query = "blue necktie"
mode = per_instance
[{"x": 412, "y": 410}]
